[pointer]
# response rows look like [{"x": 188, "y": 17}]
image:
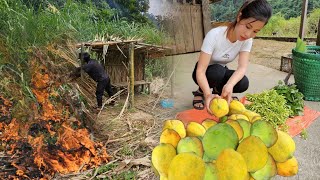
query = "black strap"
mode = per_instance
[{"x": 197, "y": 93}]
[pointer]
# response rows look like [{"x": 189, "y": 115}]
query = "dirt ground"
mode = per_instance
[
  {"x": 268, "y": 52},
  {"x": 131, "y": 136}
]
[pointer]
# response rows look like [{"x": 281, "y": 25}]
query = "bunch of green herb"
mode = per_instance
[
  {"x": 301, "y": 46},
  {"x": 271, "y": 106},
  {"x": 293, "y": 97}
]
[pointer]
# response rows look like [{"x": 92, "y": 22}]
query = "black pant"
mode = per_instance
[
  {"x": 218, "y": 76},
  {"x": 102, "y": 86}
]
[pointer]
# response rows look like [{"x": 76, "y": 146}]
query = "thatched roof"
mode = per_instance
[{"x": 152, "y": 51}]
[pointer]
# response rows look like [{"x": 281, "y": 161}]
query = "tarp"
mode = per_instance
[{"x": 296, "y": 124}]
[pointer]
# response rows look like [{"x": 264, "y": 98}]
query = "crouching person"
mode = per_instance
[{"x": 96, "y": 71}]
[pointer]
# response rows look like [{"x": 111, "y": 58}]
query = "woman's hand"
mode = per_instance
[
  {"x": 208, "y": 99},
  {"x": 227, "y": 91}
]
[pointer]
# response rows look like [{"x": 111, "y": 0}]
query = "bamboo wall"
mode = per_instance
[
  {"x": 116, "y": 66},
  {"x": 184, "y": 23}
]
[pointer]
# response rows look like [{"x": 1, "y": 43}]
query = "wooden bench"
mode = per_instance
[{"x": 145, "y": 85}]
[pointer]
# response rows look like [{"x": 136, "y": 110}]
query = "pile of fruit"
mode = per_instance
[{"x": 239, "y": 146}]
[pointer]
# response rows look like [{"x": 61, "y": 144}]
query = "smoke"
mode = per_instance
[{"x": 155, "y": 7}]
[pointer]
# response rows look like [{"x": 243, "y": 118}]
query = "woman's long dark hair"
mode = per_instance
[{"x": 260, "y": 10}]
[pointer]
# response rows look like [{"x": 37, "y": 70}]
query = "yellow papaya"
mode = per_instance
[
  {"x": 208, "y": 123},
  {"x": 186, "y": 166},
  {"x": 195, "y": 129},
  {"x": 238, "y": 116},
  {"x": 252, "y": 116},
  {"x": 288, "y": 168},
  {"x": 170, "y": 136},
  {"x": 161, "y": 158},
  {"x": 236, "y": 126},
  {"x": 236, "y": 107},
  {"x": 176, "y": 125},
  {"x": 231, "y": 165},
  {"x": 219, "y": 107},
  {"x": 284, "y": 147}
]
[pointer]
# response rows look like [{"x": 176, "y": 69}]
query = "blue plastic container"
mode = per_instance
[{"x": 167, "y": 103}]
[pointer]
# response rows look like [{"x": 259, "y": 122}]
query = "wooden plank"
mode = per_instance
[
  {"x": 169, "y": 15},
  {"x": 197, "y": 28},
  {"x": 318, "y": 36},
  {"x": 187, "y": 27},
  {"x": 206, "y": 16},
  {"x": 178, "y": 30},
  {"x": 168, "y": 24},
  {"x": 303, "y": 19}
]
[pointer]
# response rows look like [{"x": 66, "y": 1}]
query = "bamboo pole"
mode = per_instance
[
  {"x": 173, "y": 76},
  {"x": 81, "y": 61},
  {"x": 100, "y": 44},
  {"x": 318, "y": 36},
  {"x": 131, "y": 63},
  {"x": 303, "y": 19}
]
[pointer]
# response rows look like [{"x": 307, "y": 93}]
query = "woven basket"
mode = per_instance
[{"x": 306, "y": 70}]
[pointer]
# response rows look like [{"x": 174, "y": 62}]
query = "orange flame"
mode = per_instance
[{"x": 56, "y": 145}]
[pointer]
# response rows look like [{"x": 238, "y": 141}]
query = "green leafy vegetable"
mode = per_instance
[
  {"x": 293, "y": 97},
  {"x": 271, "y": 106},
  {"x": 304, "y": 134},
  {"x": 301, "y": 45}
]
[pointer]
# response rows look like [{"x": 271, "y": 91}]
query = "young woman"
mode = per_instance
[{"x": 221, "y": 46}]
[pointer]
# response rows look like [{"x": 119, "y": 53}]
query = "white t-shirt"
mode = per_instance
[{"x": 223, "y": 51}]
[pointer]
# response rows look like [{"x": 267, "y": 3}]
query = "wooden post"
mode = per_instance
[
  {"x": 131, "y": 65},
  {"x": 81, "y": 61},
  {"x": 303, "y": 19},
  {"x": 206, "y": 19},
  {"x": 318, "y": 36}
]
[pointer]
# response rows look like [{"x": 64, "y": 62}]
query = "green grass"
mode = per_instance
[
  {"x": 126, "y": 151},
  {"x": 109, "y": 169}
]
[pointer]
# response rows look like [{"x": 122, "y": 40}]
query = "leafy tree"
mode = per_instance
[
  {"x": 131, "y": 9},
  {"x": 313, "y": 21},
  {"x": 226, "y": 10}
]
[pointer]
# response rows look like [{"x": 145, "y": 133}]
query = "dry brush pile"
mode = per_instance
[{"x": 47, "y": 135}]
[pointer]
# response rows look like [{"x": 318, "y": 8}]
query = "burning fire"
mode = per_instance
[{"x": 54, "y": 142}]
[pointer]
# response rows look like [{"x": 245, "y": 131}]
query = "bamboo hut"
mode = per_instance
[{"x": 124, "y": 61}]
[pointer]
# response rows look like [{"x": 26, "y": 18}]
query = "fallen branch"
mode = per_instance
[
  {"x": 112, "y": 98},
  {"x": 124, "y": 138}
]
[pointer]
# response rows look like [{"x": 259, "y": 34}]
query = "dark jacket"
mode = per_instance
[{"x": 94, "y": 69}]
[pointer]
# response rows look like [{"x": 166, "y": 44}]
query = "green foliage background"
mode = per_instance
[{"x": 284, "y": 22}]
